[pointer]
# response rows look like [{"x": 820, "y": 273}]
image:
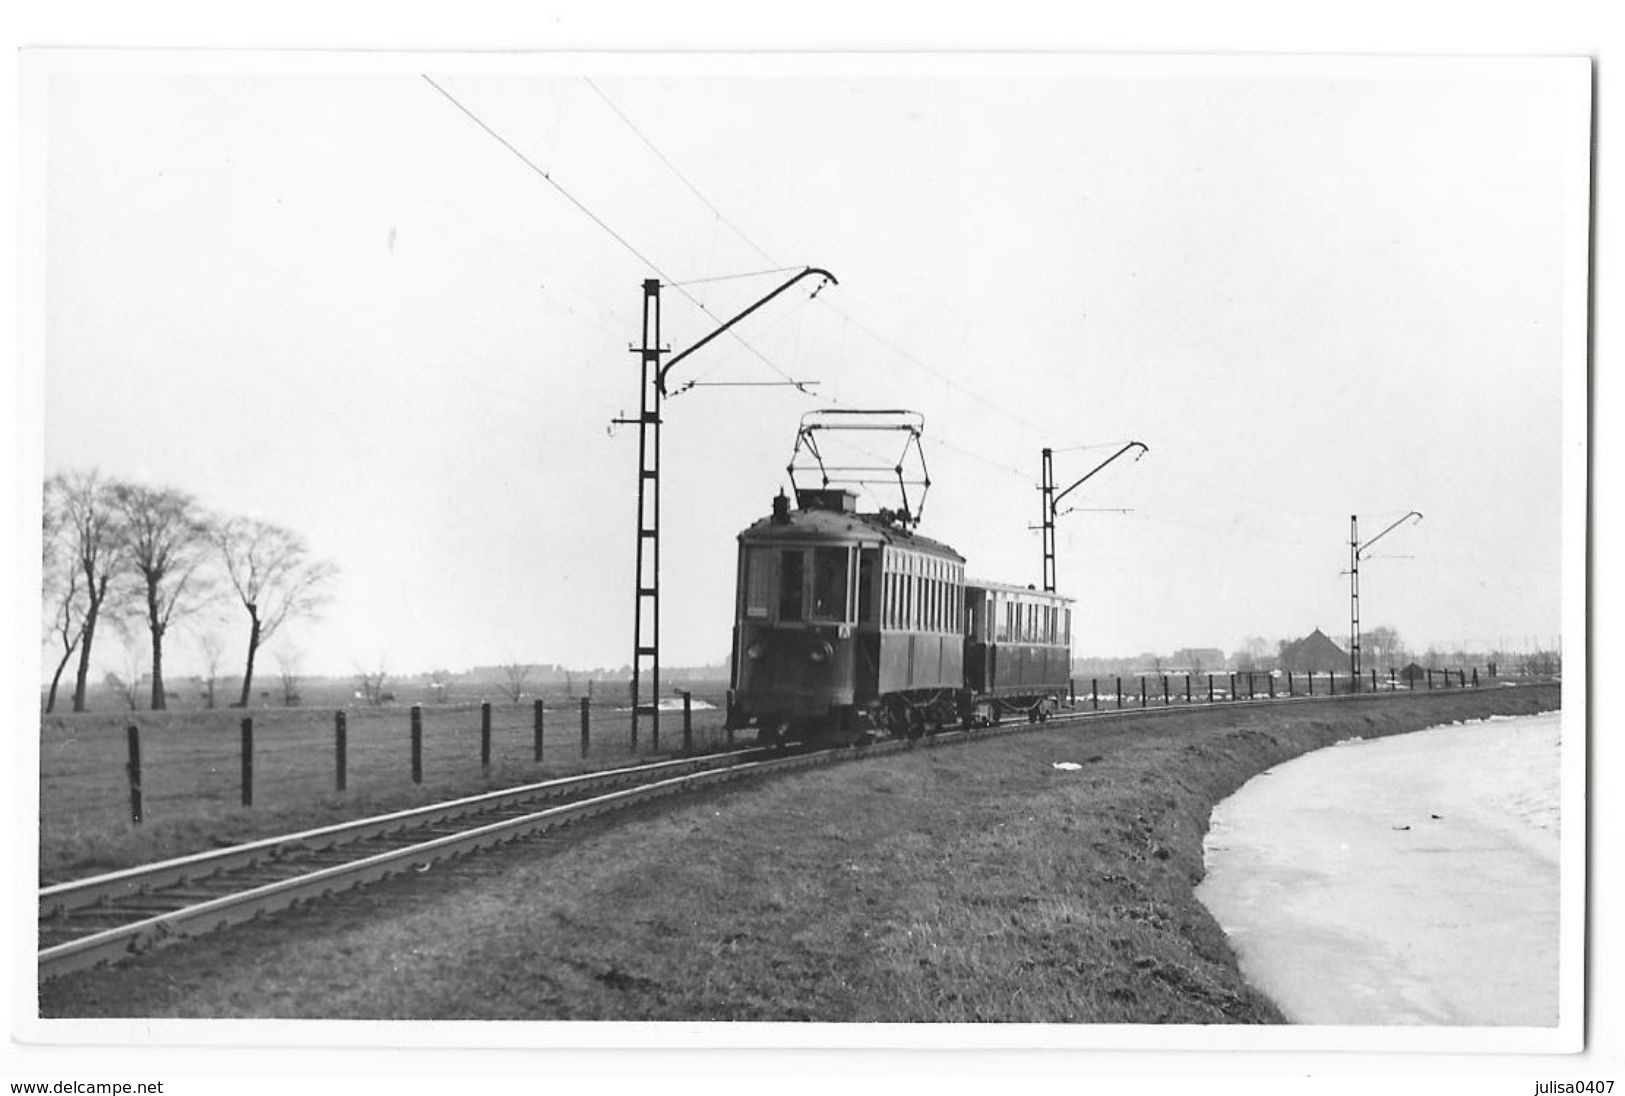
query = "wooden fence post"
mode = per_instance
[
  {"x": 1187, "y": 688},
  {"x": 132, "y": 768},
  {"x": 485, "y": 734},
  {"x": 417, "y": 743},
  {"x": 688, "y": 722},
  {"x": 1311, "y": 683},
  {"x": 248, "y": 762},
  {"x": 1094, "y": 693},
  {"x": 1142, "y": 690},
  {"x": 1210, "y": 688},
  {"x": 1272, "y": 686},
  {"x": 341, "y": 744},
  {"x": 1119, "y": 692},
  {"x": 1232, "y": 686},
  {"x": 1164, "y": 690},
  {"x": 538, "y": 733},
  {"x": 1475, "y": 677},
  {"x": 586, "y": 727}
]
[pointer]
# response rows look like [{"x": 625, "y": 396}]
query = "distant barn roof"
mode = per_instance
[{"x": 1315, "y": 651}]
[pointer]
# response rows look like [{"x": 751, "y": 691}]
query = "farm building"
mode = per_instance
[
  {"x": 1315, "y": 652},
  {"x": 1198, "y": 659}
]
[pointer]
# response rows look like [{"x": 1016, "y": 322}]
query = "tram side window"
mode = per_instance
[
  {"x": 829, "y": 584},
  {"x": 866, "y": 586},
  {"x": 790, "y": 576},
  {"x": 758, "y": 582}
]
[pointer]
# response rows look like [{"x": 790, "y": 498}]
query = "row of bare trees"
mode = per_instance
[{"x": 148, "y": 557}]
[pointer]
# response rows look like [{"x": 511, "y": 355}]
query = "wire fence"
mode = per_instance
[
  {"x": 106, "y": 770},
  {"x": 1156, "y": 688}
]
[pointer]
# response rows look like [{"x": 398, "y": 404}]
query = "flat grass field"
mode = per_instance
[
  {"x": 191, "y": 771},
  {"x": 971, "y": 882}
]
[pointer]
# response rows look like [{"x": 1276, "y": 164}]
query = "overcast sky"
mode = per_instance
[{"x": 327, "y": 297}]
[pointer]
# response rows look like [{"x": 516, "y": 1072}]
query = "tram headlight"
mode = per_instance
[
  {"x": 755, "y": 652},
  {"x": 820, "y": 652}
]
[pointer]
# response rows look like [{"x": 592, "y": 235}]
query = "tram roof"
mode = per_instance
[
  {"x": 1011, "y": 588},
  {"x": 833, "y": 525}
]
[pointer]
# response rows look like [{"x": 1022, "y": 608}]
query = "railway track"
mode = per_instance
[{"x": 107, "y": 918}]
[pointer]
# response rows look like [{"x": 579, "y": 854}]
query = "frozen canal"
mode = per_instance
[{"x": 1405, "y": 880}]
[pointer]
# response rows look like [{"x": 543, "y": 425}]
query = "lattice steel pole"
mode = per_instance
[
  {"x": 646, "y": 605},
  {"x": 1048, "y": 491},
  {"x": 1354, "y": 600}
]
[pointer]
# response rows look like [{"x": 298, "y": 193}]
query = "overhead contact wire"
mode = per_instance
[{"x": 597, "y": 220}]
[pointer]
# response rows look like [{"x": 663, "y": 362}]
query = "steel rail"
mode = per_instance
[
  {"x": 114, "y": 944},
  {"x": 63, "y": 898}
]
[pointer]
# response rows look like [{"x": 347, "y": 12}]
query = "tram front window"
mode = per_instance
[
  {"x": 790, "y": 576},
  {"x": 829, "y": 583}
]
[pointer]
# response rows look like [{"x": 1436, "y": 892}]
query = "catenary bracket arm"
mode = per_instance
[
  {"x": 1360, "y": 551},
  {"x": 1056, "y": 501},
  {"x": 660, "y": 378}
]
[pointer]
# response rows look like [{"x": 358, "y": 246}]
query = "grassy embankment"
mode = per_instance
[{"x": 945, "y": 884}]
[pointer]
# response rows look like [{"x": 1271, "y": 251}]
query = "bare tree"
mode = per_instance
[
  {"x": 214, "y": 649},
  {"x": 287, "y": 661},
  {"x": 1383, "y": 645},
  {"x": 514, "y": 675},
  {"x": 370, "y": 685},
  {"x": 128, "y": 684},
  {"x": 274, "y": 576},
  {"x": 93, "y": 537},
  {"x": 62, "y": 585},
  {"x": 167, "y": 538},
  {"x": 440, "y": 683}
]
